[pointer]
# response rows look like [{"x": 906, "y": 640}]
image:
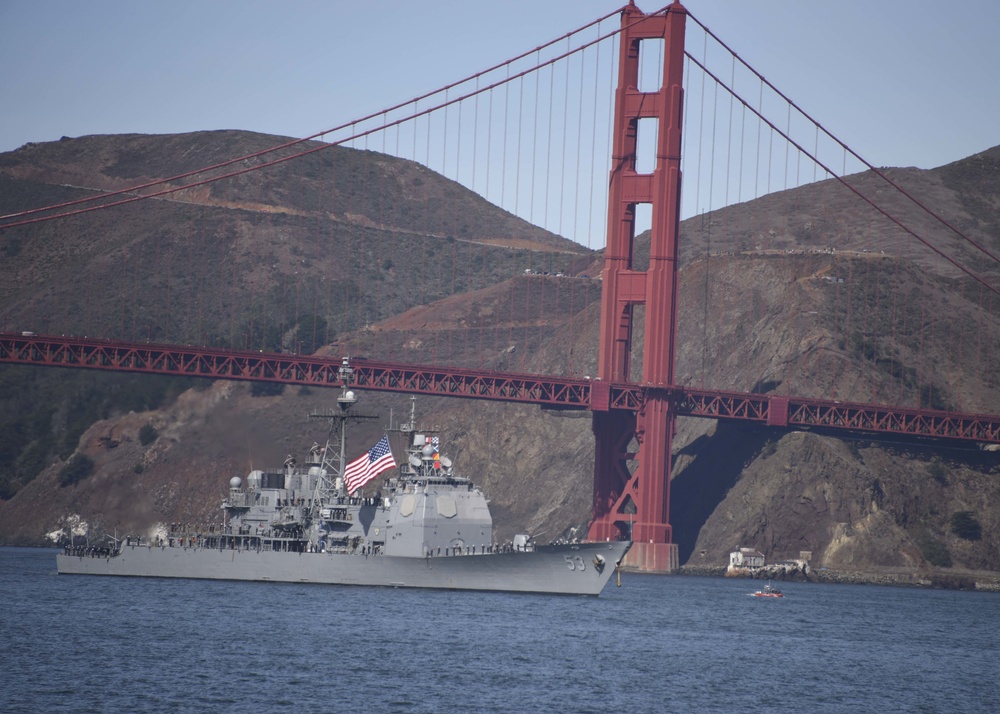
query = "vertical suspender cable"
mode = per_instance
[{"x": 453, "y": 288}]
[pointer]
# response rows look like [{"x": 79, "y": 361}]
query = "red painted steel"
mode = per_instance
[
  {"x": 855, "y": 417},
  {"x": 180, "y": 360},
  {"x": 636, "y": 503},
  {"x": 621, "y": 401}
]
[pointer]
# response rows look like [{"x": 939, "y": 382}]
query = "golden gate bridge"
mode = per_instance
[{"x": 525, "y": 134}]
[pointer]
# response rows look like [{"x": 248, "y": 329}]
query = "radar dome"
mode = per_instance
[
  {"x": 349, "y": 395},
  {"x": 235, "y": 482},
  {"x": 427, "y": 451}
]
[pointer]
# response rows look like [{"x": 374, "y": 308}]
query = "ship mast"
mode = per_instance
[{"x": 331, "y": 480}]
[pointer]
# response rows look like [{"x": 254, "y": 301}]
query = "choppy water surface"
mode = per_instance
[{"x": 657, "y": 644}]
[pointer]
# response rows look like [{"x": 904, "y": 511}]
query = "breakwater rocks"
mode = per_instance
[
  {"x": 985, "y": 581},
  {"x": 703, "y": 571},
  {"x": 989, "y": 582}
]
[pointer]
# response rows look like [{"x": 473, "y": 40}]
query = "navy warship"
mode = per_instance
[{"x": 426, "y": 527}]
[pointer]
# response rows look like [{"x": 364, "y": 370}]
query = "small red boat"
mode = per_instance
[{"x": 768, "y": 591}]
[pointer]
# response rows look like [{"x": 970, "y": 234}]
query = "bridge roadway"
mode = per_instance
[{"x": 546, "y": 391}]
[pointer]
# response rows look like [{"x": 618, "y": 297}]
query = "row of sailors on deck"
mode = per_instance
[{"x": 87, "y": 551}]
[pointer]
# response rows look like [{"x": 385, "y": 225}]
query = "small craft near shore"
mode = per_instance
[{"x": 768, "y": 591}]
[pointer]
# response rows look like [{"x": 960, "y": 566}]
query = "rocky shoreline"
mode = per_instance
[{"x": 955, "y": 580}]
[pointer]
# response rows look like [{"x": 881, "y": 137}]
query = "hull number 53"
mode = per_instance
[{"x": 575, "y": 562}]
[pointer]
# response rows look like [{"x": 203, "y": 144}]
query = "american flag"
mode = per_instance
[{"x": 369, "y": 465}]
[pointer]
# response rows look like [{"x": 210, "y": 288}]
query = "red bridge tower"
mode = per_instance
[{"x": 632, "y": 487}]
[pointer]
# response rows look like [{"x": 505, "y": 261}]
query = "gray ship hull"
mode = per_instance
[{"x": 577, "y": 569}]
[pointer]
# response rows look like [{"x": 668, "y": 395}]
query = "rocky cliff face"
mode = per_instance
[
  {"x": 855, "y": 505},
  {"x": 775, "y": 295}
]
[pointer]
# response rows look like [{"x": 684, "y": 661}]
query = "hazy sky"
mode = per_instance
[{"x": 903, "y": 82}]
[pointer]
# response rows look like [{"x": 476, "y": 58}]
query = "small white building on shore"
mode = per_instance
[{"x": 746, "y": 558}]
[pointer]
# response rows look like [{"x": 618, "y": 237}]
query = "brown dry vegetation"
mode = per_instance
[{"x": 800, "y": 292}]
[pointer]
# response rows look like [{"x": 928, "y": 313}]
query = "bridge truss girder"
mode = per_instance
[{"x": 547, "y": 392}]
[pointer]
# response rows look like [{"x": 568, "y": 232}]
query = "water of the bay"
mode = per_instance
[{"x": 656, "y": 644}]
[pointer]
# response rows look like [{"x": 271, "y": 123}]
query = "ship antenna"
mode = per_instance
[
  {"x": 345, "y": 401},
  {"x": 413, "y": 412}
]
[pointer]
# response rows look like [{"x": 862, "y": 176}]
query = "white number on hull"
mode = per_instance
[{"x": 575, "y": 562}]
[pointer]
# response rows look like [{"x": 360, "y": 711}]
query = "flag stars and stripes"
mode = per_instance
[{"x": 369, "y": 465}]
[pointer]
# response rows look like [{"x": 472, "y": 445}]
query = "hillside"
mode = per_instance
[
  {"x": 268, "y": 263},
  {"x": 330, "y": 226},
  {"x": 761, "y": 309}
]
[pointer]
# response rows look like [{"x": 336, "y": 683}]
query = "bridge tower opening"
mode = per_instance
[{"x": 633, "y": 448}]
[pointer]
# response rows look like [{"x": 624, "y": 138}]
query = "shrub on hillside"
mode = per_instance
[
  {"x": 934, "y": 551},
  {"x": 76, "y": 470},
  {"x": 148, "y": 434},
  {"x": 939, "y": 473},
  {"x": 965, "y": 525}
]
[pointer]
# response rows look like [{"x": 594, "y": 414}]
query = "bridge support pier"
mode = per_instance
[{"x": 652, "y": 558}]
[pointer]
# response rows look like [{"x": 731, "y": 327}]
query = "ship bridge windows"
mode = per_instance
[{"x": 272, "y": 479}]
